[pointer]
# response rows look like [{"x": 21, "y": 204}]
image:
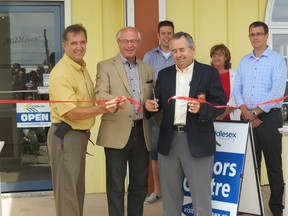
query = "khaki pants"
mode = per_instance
[{"x": 67, "y": 158}]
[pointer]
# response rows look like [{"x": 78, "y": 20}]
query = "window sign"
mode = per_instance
[{"x": 33, "y": 115}]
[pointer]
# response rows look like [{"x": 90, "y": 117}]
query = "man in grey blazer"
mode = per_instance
[
  {"x": 125, "y": 134},
  {"x": 186, "y": 143}
]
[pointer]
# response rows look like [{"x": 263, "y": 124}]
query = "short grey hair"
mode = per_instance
[
  {"x": 188, "y": 37},
  {"x": 118, "y": 35}
]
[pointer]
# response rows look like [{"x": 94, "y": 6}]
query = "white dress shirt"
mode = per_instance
[{"x": 183, "y": 80}]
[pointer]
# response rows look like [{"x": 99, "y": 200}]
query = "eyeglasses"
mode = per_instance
[
  {"x": 126, "y": 42},
  {"x": 257, "y": 34}
]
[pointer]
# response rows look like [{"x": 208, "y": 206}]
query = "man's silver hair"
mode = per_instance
[{"x": 118, "y": 35}]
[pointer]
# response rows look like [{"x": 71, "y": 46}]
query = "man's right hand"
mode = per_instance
[
  {"x": 121, "y": 102},
  {"x": 151, "y": 105},
  {"x": 256, "y": 122},
  {"x": 115, "y": 104}
]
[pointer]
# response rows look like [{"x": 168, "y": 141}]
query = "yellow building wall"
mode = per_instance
[
  {"x": 102, "y": 19},
  {"x": 211, "y": 22}
]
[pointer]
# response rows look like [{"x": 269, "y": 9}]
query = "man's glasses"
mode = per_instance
[
  {"x": 126, "y": 42},
  {"x": 258, "y": 34}
]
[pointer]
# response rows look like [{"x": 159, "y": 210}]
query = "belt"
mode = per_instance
[
  {"x": 270, "y": 111},
  {"x": 179, "y": 128},
  {"x": 83, "y": 131},
  {"x": 137, "y": 123},
  {"x": 274, "y": 109}
]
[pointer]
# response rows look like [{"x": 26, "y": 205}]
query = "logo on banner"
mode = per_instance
[
  {"x": 33, "y": 115},
  {"x": 222, "y": 135}
]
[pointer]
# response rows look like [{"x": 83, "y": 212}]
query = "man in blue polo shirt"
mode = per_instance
[{"x": 159, "y": 57}]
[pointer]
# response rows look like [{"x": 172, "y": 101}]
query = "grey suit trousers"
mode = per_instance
[{"x": 198, "y": 171}]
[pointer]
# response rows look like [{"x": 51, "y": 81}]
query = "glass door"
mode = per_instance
[{"x": 30, "y": 42}]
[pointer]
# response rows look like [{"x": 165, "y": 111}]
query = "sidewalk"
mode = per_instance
[{"x": 42, "y": 204}]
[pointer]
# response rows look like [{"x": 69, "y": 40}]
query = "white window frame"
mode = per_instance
[
  {"x": 275, "y": 27},
  {"x": 275, "y": 31},
  {"x": 268, "y": 16}
]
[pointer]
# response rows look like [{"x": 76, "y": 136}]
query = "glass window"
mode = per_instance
[
  {"x": 277, "y": 20},
  {"x": 279, "y": 13},
  {"x": 30, "y": 43},
  {"x": 280, "y": 43}
]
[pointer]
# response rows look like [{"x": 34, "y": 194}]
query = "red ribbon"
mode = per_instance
[
  {"x": 136, "y": 103},
  {"x": 224, "y": 106},
  {"x": 66, "y": 101}
]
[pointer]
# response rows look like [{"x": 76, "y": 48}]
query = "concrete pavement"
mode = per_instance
[{"x": 42, "y": 204}]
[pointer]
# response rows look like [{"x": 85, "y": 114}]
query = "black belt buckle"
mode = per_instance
[{"x": 179, "y": 128}]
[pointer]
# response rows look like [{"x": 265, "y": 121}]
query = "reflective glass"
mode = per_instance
[
  {"x": 280, "y": 44},
  {"x": 279, "y": 13},
  {"x": 30, "y": 37}
]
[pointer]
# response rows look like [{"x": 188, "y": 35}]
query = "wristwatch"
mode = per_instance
[{"x": 254, "y": 113}]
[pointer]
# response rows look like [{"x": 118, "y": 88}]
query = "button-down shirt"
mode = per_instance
[
  {"x": 183, "y": 79},
  {"x": 156, "y": 58},
  {"x": 134, "y": 82},
  {"x": 70, "y": 81},
  {"x": 260, "y": 79}
]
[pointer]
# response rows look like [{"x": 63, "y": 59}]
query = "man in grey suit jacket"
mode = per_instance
[
  {"x": 125, "y": 134},
  {"x": 186, "y": 143}
]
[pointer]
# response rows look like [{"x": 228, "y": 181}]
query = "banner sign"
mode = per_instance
[
  {"x": 33, "y": 115},
  {"x": 231, "y": 139}
]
